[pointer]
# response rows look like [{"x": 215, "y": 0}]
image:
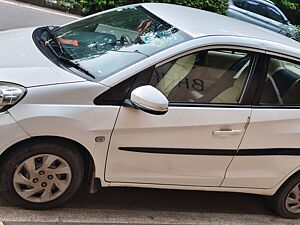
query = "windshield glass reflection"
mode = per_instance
[{"x": 111, "y": 41}]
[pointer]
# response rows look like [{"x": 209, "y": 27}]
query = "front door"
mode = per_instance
[{"x": 195, "y": 141}]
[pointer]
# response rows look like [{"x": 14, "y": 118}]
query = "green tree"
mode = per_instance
[
  {"x": 291, "y": 9},
  {"x": 89, "y": 7},
  {"x": 287, "y": 4}
]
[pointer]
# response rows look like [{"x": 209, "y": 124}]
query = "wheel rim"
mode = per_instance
[
  {"x": 292, "y": 201},
  {"x": 42, "y": 178}
]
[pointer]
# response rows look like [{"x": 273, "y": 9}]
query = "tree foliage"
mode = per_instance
[
  {"x": 89, "y": 6},
  {"x": 291, "y": 9},
  {"x": 287, "y": 4}
]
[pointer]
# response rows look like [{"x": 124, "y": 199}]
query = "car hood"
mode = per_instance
[{"x": 21, "y": 61}]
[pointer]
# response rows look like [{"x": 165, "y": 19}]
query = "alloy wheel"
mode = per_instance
[
  {"x": 42, "y": 178},
  {"x": 292, "y": 201}
]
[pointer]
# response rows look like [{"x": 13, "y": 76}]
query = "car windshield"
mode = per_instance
[{"x": 106, "y": 43}]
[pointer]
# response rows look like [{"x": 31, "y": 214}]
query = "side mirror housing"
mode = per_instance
[{"x": 149, "y": 99}]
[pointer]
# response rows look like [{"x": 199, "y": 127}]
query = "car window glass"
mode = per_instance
[
  {"x": 274, "y": 14},
  {"x": 261, "y": 9},
  {"x": 239, "y": 3},
  {"x": 124, "y": 36},
  {"x": 282, "y": 85},
  {"x": 256, "y": 8},
  {"x": 216, "y": 76}
]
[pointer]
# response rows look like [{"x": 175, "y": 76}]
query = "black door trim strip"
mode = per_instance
[
  {"x": 268, "y": 151},
  {"x": 180, "y": 151},
  {"x": 220, "y": 152}
]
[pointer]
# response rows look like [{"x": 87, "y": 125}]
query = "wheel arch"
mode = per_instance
[
  {"x": 295, "y": 172},
  {"x": 280, "y": 185},
  {"x": 87, "y": 158}
]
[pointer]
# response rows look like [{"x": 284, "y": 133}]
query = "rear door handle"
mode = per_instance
[{"x": 227, "y": 132}]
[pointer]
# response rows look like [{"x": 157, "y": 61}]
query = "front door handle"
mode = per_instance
[{"x": 227, "y": 132}]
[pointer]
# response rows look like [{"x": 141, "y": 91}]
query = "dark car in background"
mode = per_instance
[{"x": 263, "y": 13}]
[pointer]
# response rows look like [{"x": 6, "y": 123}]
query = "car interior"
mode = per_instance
[
  {"x": 283, "y": 83},
  {"x": 209, "y": 76}
]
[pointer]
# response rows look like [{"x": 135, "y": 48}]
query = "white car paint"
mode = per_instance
[
  {"x": 74, "y": 116},
  {"x": 157, "y": 102},
  {"x": 59, "y": 103},
  {"x": 22, "y": 62},
  {"x": 10, "y": 132},
  {"x": 170, "y": 13},
  {"x": 181, "y": 128},
  {"x": 279, "y": 129}
]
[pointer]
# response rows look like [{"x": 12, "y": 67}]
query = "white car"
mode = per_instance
[{"x": 150, "y": 95}]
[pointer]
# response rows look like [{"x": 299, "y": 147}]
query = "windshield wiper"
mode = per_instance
[
  {"x": 52, "y": 37},
  {"x": 76, "y": 65},
  {"x": 124, "y": 51}
]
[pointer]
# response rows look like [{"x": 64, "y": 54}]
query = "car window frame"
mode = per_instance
[
  {"x": 124, "y": 87},
  {"x": 251, "y": 83},
  {"x": 262, "y": 81},
  {"x": 250, "y": 92}
]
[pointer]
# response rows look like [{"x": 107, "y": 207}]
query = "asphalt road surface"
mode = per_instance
[
  {"x": 151, "y": 206},
  {"x": 19, "y": 15},
  {"x": 128, "y": 205}
]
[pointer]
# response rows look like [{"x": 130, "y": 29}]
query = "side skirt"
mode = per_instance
[{"x": 267, "y": 192}]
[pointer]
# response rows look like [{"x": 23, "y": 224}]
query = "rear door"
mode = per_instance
[{"x": 270, "y": 149}]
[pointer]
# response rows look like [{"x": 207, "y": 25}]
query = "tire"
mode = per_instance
[
  {"x": 41, "y": 174},
  {"x": 286, "y": 201}
]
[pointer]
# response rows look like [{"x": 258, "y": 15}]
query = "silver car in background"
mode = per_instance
[{"x": 263, "y": 13}]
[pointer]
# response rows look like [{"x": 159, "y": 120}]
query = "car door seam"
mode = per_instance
[
  {"x": 108, "y": 147},
  {"x": 245, "y": 128}
]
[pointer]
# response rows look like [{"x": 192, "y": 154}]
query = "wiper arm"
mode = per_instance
[
  {"x": 53, "y": 38},
  {"x": 76, "y": 65},
  {"x": 124, "y": 51}
]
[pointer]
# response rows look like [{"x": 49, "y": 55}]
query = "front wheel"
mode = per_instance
[
  {"x": 286, "y": 202},
  {"x": 41, "y": 175}
]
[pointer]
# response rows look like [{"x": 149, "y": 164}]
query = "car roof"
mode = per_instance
[{"x": 199, "y": 23}]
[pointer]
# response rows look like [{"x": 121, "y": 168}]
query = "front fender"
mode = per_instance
[{"x": 10, "y": 132}]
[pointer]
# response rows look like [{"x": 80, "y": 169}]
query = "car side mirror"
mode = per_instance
[{"x": 149, "y": 99}]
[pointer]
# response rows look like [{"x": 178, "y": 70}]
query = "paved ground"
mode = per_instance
[
  {"x": 18, "y": 15},
  {"x": 150, "y": 206},
  {"x": 127, "y": 206}
]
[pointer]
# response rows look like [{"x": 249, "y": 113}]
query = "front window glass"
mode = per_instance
[
  {"x": 282, "y": 86},
  {"x": 216, "y": 76},
  {"x": 106, "y": 43}
]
